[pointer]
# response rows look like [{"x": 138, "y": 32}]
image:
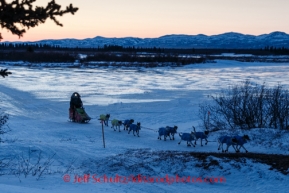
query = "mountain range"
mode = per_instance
[{"x": 230, "y": 40}]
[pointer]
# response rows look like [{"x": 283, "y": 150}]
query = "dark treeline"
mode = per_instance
[
  {"x": 25, "y": 46},
  {"x": 105, "y": 48},
  {"x": 268, "y": 50},
  {"x": 46, "y": 56},
  {"x": 113, "y": 53},
  {"x": 37, "y": 57},
  {"x": 276, "y": 51}
]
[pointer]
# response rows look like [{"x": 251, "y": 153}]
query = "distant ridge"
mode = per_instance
[{"x": 228, "y": 40}]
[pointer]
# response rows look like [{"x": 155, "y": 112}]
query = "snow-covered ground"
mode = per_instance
[{"x": 37, "y": 100}]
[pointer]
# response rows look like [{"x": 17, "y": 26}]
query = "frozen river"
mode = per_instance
[{"x": 104, "y": 86}]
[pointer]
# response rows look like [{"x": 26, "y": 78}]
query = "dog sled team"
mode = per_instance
[
  {"x": 78, "y": 114},
  {"x": 237, "y": 142}
]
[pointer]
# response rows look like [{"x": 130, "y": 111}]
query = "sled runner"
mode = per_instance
[{"x": 76, "y": 110}]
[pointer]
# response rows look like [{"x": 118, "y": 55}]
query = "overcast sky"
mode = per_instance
[{"x": 154, "y": 18}]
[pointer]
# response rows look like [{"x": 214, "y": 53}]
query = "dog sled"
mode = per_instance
[{"x": 76, "y": 110}]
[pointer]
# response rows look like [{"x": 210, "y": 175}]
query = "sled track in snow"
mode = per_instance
[
  {"x": 276, "y": 161},
  {"x": 146, "y": 161}
]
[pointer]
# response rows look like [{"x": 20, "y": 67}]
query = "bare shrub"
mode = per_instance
[
  {"x": 247, "y": 106},
  {"x": 278, "y": 107},
  {"x": 31, "y": 164},
  {"x": 4, "y": 165},
  {"x": 4, "y": 128}
]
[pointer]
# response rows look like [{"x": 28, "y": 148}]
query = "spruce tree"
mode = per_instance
[{"x": 22, "y": 13}]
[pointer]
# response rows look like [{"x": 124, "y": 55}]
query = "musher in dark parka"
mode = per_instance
[{"x": 75, "y": 101}]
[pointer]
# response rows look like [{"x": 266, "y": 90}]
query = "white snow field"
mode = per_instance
[{"x": 37, "y": 100}]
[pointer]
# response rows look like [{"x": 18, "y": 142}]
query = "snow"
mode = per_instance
[{"x": 37, "y": 100}]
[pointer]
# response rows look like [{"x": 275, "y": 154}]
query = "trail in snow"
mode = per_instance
[{"x": 38, "y": 101}]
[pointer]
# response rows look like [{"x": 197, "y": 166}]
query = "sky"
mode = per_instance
[{"x": 155, "y": 18}]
